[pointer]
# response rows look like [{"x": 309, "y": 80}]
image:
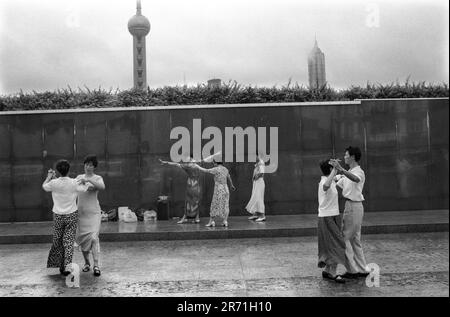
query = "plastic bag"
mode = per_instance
[
  {"x": 150, "y": 215},
  {"x": 110, "y": 215},
  {"x": 129, "y": 216},
  {"x": 140, "y": 214},
  {"x": 104, "y": 216}
]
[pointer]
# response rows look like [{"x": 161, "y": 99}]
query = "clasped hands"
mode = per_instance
[
  {"x": 51, "y": 174},
  {"x": 335, "y": 163},
  {"x": 84, "y": 181}
]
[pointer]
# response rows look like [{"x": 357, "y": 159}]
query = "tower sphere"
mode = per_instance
[{"x": 139, "y": 25}]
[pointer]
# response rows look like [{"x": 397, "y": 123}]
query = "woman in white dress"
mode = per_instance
[
  {"x": 256, "y": 204},
  {"x": 90, "y": 218}
]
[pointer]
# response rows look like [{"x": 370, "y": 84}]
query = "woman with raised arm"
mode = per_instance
[
  {"x": 90, "y": 216},
  {"x": 65, "y": 215},
  {"x": 331, "y": 245},
  {"x": 193, "y": 190},
  {"x": 220, "y": 204},
  {"x": 256, "y": 204}
]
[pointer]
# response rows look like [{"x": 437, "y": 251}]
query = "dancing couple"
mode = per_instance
[
  {"x": 339, "y": 241},
  {"x": 76, "y": 215}
]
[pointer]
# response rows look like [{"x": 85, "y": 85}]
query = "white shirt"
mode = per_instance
[
  {"x": 351, "y": 189},
  {"x": 64, "y": 193},
  {"x": 328, "y": 200}
]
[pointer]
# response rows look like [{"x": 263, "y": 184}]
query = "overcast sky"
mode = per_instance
[{"x": 49, "y": 44}]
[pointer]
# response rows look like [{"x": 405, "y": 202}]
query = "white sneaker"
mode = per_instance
[
  {"x": 261, "y": 219},
  {"x": 252, "y": 217}
]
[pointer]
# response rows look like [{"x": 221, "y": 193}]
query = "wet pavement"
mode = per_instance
[{"x": 411, "y": 264}]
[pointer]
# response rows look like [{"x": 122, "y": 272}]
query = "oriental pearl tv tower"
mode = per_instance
[{"x": 139, "y": 27}]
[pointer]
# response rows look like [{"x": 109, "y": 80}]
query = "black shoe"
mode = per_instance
[
  {"x": 327, "y": 275},
  {"x": 361, "y": 274},
  {"x": 350, "y": 275},
  {"x": 97, "y": 271},
  {"x": 65, "y": 273},
  {"x": 339, "y": 279}
]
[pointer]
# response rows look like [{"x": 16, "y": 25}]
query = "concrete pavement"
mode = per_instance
[{"x": 411, "y": 264}]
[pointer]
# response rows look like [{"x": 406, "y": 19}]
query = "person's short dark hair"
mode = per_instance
[
  {"x": 63, "y": 167},
  {"x": 326, "y": 167},
  {"x": 91, "y": 159},
  {"x": 354, "y": 151}
]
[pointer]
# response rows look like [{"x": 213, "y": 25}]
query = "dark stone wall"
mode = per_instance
[{"x": 404, "y": 142}]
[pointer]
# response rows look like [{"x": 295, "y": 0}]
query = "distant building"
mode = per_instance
[
  {"x": 214, "y": 83},
  {"x": 139, "y": 27},
  {"x": 316, "y": 67}
]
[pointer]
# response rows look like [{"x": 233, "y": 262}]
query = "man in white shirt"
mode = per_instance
[
  {"x": 65, "y": 215},
  {"x": 352, "y": 184}
]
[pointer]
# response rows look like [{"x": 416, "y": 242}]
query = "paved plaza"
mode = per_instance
[{"x": 411, "y": 264}]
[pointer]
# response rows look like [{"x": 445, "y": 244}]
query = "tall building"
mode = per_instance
[
  {"x": 139, "y": 27},
  {"x": 316, "y": 67}
]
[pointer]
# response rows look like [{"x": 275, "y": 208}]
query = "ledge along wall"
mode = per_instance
[{"x": 404, "y": 143}]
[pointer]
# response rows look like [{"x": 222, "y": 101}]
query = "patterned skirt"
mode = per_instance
[{"x": 220, "y": 201}]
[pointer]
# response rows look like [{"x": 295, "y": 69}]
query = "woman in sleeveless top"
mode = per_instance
[
  {"x": 221, "y": 198},
  {"x": 193, "y": 190},
  {"x": 256, "y": 204},
  {"x": 89, "y": 218}
]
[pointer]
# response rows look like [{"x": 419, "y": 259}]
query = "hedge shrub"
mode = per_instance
[{"x": 229, "y": 93}]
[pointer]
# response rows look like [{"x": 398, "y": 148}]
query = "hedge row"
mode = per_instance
[{"x": 230, "y": 93}]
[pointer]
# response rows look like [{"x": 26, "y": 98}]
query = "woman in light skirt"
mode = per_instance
[
  {"x": 256, "y": 204},
  {"x": 89, "y": 218}
]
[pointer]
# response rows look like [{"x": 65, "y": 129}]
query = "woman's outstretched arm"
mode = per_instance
[
  {"x": 169, "y": 163},
  {"x": 205, "y": 170}
]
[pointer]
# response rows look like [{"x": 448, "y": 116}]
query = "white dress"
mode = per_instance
[{"x": 256, "y": 203}]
